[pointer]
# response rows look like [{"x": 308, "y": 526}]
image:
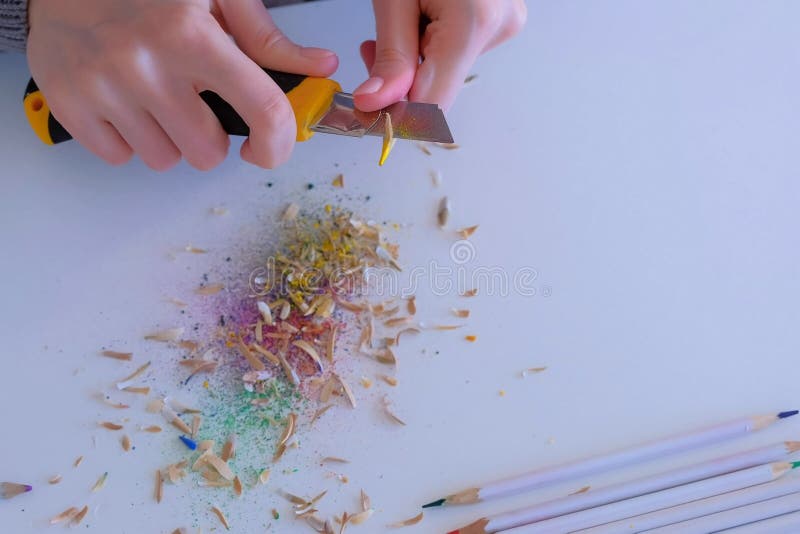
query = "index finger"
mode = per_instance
[{"x": 396, "y": 54}]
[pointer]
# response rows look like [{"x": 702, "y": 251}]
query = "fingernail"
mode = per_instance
[
  {"x": 373, "y": 85},
  {"x": 316, "y": 53}
]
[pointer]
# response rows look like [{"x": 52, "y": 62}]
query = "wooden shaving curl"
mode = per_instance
[{"x": 408, "y": 522}]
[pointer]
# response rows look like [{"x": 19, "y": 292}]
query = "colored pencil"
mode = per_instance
[
  {"x": 606, "y": 462},
  {"x": 659, "y": 500},
  {"x": 626, "y": 490},
  {"x": 782, "y": 523},
  {"x": 703, "y": 507},
  {"x": 735, "y": 517}
]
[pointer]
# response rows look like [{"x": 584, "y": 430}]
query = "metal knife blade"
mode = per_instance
[{"x": 410, "y": 120}]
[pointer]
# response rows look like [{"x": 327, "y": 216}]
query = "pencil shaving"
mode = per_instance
[
  {"x": 219, "y": 466},
  {"x": 408, "y": 522},
  {"x": 165, "y": 336},
  {"x": 334, "y": 459},
  {"x": 125, "y": 382},
  {"x": 387, "y": 408},
  {"x": 320, "y": 412},
  {"x": 436, "y": 178},
  {"x": 306, "y": 347},
  {"x": 582, "y": 490},
  {"x": 465, "y": 233},
  {"x": 360, "y": 517},
  {"x": 290, "y": 212},
  {"x": 229, "y": 448},
  {"x": 443, "y": 215},
  {"x": 80, "y": 515},
  {"x": 125, "y": 356},
  {"x": 397, "y": 321},
  {"x": 347, "y": 390},
  {"x": 423, "y": 147},
  {"x": 100, "y": 482},
  {"x": 66, "y": 515},
  {"x": 411, "y": 305},
  {"x": 210, "y": 289},
  {"x": 221, "y": 517},
  {"x": 389, "y": 380},
  {"x": 532, "y": 370},
  {"x": 366, "y": 502},
  {"x": 137, "y": 390},
  {"x": 388, "y": 138}
]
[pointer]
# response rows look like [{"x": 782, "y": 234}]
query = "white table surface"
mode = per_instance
[{"x": 640, "y": 156}]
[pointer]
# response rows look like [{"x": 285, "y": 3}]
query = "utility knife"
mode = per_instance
[{"x": 319, "y": 106}]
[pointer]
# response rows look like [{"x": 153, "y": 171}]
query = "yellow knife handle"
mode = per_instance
[{"x": 309, "y": 97}]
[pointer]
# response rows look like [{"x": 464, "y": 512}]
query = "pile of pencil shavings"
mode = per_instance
[
  {"x": 317, "y": 285},
  {"x": 301, "y": 299}
]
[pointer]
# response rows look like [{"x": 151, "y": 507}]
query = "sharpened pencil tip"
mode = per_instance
[
  {"x": 433, "y": 504},
  {"x": 790, "y": 413}
]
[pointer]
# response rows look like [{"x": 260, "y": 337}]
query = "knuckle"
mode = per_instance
[
  {"x": 270, "y": 37},
  {"x": 486, "y": 17},
  {"x": 389, "y": 56},
  {"x": 188, "y": 25},
  {"x": 274, "y": 112}
]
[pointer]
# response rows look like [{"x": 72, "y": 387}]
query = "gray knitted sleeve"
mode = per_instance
[{"x": 13, "y": 24}]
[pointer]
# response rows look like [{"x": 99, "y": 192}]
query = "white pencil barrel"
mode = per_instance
[
  {"x": 648, "y": 503},
  {"x": 703, "y": 507},
  {"x": 607, "y": 462},
  {"x": 641, "y": 486},
  {"x": 735, "y": 517},
  {"x": 782, "y": 523}
]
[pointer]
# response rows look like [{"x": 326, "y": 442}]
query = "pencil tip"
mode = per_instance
[
  {"x": 790, "y": 413},
  {"x": 435, "y": 503}
]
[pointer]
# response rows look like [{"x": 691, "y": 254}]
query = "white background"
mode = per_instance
[{"x": 641, "y": 156}]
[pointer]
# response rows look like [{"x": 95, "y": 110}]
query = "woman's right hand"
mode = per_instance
[{"x": 124, "y": 76}]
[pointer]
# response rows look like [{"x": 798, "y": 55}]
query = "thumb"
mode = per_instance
[
  {"x": 396, "y": 54},
  {"x": 257, "y": 35}
]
